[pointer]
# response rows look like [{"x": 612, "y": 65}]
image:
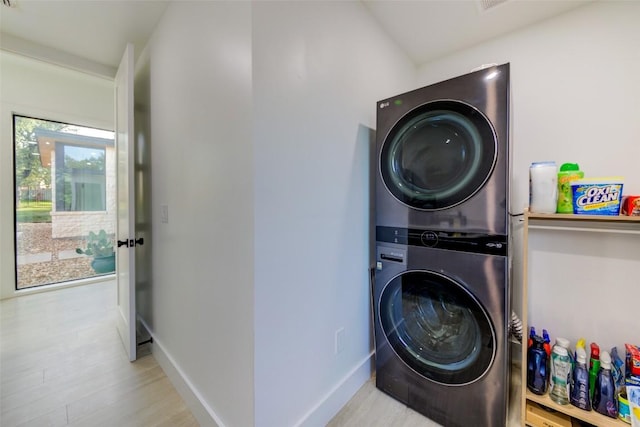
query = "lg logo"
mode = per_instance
[
  {"x": 429, "y": 239},
  {"x": 384, "y": 104}
]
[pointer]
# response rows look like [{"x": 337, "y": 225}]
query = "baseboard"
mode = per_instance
[
  {"x": 319, "y": 415},
  {"x": 199, "y": 408},
  {"x": 343, "y": 391}
]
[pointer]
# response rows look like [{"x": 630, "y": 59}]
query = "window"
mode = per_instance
[{"x": 64, "y": 191}]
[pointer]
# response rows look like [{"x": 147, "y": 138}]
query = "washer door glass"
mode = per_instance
[
  {"x": 437, "y": 327},
  {"x": 438, "y": 155}
]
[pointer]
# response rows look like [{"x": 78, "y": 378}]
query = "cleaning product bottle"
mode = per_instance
[
  {"x": 568, "y": 172},
  {"x": 537, "y": 374},
  {"x": 560, "y": 372},
  {"x": 547, "y": 341},
  {"x": 532, "y": 333},
  {"x": 604, "y": 393},
  {"x": 594, "y": 366},
  {"x": 547, "y": 348},
  {"x": 581, "y": 343},
  {"x": 580, "y": 381}
]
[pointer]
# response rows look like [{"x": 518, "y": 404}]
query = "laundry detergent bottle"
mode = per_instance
[
  {"x": 537, "y": 374},
  {"x": 604, "y": 393},
  {"x": 580, "y": 381},
  {"x": 568, "y": 172},
  {"x": 560, "y": 372}
]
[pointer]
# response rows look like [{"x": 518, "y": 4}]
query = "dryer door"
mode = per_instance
[
  {"x": 436, "y": 327},
  {"x": 438, "y": 155}
]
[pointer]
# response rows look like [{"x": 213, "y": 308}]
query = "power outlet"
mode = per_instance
[
  {"x": 164, "y": 214},
  {"x": 339, "y": 341}
]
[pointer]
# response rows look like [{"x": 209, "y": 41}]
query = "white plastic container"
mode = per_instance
[{"x": 543, "y": 187}]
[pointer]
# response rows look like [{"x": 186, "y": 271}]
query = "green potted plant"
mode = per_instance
[{"x": 100, "y": 247}]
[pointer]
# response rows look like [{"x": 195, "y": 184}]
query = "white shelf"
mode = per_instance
[
  {"x": 585, "y": 223},
  {"x": 621, "y": 219}
]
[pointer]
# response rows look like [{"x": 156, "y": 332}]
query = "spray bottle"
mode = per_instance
[
  {"x": 532, "y": 333},
  {"x": 594, "y": 366},
  {"x": 547, "y": 340},
  {"x": 537, "y": 374}
]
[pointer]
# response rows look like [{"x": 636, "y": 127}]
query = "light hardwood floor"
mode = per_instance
[
  {"x": 372, "y": 408},
  {"x": 62, "y": 363}
]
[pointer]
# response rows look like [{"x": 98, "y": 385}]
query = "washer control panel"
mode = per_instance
[{"x": 494, "y": 244}]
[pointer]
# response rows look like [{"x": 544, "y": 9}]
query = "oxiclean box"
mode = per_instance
[{"x": 597, "y": 196}]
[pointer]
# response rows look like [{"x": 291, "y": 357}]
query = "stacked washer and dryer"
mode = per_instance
[{"x": 441, "y": 290}]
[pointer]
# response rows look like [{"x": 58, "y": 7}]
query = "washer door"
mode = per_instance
[
  {"x": 437, "y": 327},
  {"x": 438, "y": 155}
]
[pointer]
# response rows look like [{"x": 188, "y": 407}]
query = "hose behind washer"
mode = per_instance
[{"x": 515, "y": 327}]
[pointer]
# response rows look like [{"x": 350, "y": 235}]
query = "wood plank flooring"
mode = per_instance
[
  {"x": 62, "y": 364},
  {"x": 372, "y": 408}
]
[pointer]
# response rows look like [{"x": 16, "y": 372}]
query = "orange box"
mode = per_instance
[
  {"x": 539, "y": 417},
  {"x": 631, "y": 205}
]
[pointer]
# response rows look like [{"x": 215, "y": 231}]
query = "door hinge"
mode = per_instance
[{"x": 149, "y": 341}]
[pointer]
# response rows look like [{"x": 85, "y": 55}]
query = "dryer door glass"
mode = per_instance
[
  {"x": 437, "y": 327},
  {"x": 438, "y": 155}
]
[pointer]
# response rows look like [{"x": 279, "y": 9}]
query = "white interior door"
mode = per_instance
[{"x": 126, "y": 216}]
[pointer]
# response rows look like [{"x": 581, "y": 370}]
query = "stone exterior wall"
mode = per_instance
[{"x": 78, "y": 224}]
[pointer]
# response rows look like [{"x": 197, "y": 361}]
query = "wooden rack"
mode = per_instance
[{"x": 577, "y": 223}]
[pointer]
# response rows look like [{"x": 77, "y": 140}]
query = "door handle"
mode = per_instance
[{"x": 131, "y": 242}]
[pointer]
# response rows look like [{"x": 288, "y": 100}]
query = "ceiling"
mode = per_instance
[
  {"x": 92, "y": 34},
  {"x": 429, "y": 29},
  {"x": 89, "y": 34}
]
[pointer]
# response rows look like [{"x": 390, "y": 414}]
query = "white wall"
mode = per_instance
[
  {"x": 575, "y": 92},
  {"x": 37, "y": 89},
  {"x": 261, "y": 118},
  {"x": 201, "y": 151},
  {"x": 294, "y": 153},
  {"x": 318, "y": 70}
]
